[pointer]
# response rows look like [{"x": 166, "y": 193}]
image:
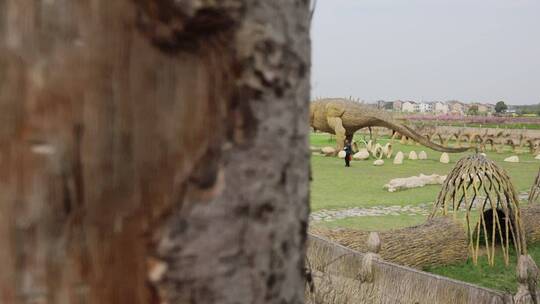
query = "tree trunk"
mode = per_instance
[{"x": 153, "y": 151}]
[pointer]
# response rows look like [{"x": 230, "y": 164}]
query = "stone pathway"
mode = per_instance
[
  {"x": 330, "y": 215},
  {"x": 420, "y": 209}
]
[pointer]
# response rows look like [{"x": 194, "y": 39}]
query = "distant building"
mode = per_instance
[
  {"x": 440, "y": 107},
  {"x": 466, "y": 107},
  {"x": 409, "y": 106},
  {"x": 425, "y": 107},
  {"x": 456, "y": 107},
  {"x": 482, "y": 108},
  {"x": 397, "y": 105},
  {"x": 385, "y": 105},
  {"x": 511, "y": 109}
]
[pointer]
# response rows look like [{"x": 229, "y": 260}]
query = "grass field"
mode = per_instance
[
  {"x": 499, "y": 276},
  {"x": 335, "y": 187},
  {"x": 361, "y": 185}
]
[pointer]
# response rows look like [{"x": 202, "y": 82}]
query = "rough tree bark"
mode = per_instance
[{"x": 153, "y": 151}]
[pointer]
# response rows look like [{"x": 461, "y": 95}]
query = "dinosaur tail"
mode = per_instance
[{"x": 406, "y": 131}]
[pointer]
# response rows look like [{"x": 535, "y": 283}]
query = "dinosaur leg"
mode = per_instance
[
  {"x": 336, "y": 124},
  {"x": 355, "y": 147},
  {"x": 521, "y": 145},
  {"x": 403, "y": 140},
  {"x": 482, "y": 147},
  {"x": 441, "y": 140},
  {"x": 499, "y": 147},
  {"x": 350, "y": 138},
  {"x": 445, "y": 141}
]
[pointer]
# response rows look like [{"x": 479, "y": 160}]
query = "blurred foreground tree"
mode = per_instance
[{"x": 153, "y": 151}]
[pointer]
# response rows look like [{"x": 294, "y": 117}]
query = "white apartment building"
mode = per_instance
[{"x": 425, "y": 107}]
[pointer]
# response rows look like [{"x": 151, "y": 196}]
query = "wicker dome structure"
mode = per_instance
[{"x": 484, "y": 192}]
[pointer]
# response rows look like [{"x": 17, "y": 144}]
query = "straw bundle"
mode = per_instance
[
  {"x": 478, "y": 182},
  {"x": 530, "y": 217},
  {"x": 440, "y": 241}
]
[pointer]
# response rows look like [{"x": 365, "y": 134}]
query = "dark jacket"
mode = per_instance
[{"x": 348, "y": 149}]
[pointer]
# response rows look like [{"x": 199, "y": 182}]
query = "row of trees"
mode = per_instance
[{"x": 528, "y": 109}]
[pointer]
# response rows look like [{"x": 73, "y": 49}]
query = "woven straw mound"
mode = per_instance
[
  {"x": 440, "y": 241},
  {"x": 530, "y": 217}
]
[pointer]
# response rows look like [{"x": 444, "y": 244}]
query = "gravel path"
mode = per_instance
[
  {"x": 330, "y": 215},
  {"x": 420, "y": 209}
]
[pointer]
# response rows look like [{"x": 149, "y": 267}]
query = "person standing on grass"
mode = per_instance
[{"x": 348, "y": 152}]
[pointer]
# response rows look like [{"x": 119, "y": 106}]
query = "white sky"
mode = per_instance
[{"x": 470, "y": 50}]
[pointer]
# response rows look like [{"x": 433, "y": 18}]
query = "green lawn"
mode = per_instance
[
  {"x": 499, "y": 276},
  {"x": 336, "y": 187},
  {"x": 361, "y": 185}
]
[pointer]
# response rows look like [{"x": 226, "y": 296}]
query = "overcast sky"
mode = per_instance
[{"x": 470, "y": 50}]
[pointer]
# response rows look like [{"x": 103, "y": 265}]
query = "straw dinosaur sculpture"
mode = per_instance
[
  {"x": 343, "y": 117},
  {"x": 493, "y": 138}
]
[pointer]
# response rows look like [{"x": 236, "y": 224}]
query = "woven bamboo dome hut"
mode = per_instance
[{"x": 483, "y": 190}]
